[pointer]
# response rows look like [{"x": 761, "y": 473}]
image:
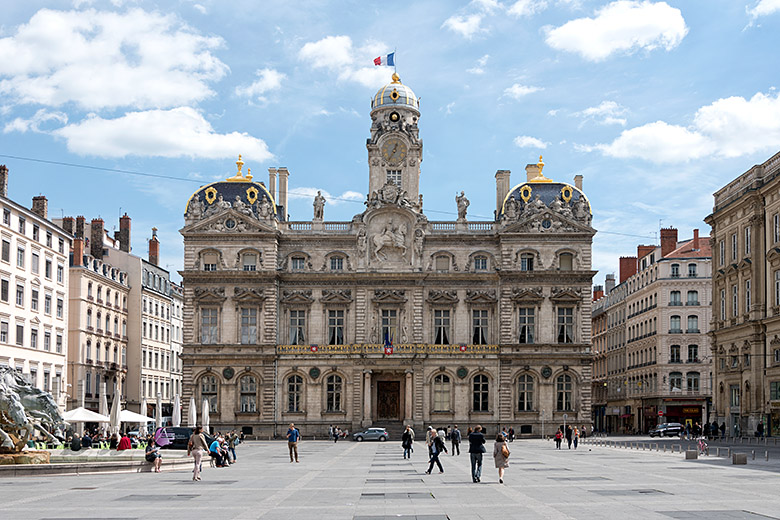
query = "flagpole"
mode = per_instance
[{"x": 395, "y": 69}]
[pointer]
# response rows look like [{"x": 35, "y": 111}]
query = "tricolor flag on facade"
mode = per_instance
[
  {"x": 388, "y": 60},
  {"x": 314, "y": 348},
  {"x": 388, "y": 343}
]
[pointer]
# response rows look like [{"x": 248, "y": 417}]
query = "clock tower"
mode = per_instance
[{"x": 395, "y": 148}]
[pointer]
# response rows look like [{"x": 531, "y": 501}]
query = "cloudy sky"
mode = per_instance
[{"x": 657, "y": 104}]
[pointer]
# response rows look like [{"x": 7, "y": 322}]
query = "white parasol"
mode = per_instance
[
  {"x": 158, "y": 411},
  {"x": 115, "y": 421},
  {"x": 82, "y": 415},
  {"x": 176, "y": 418},
  {"x": 104, "y": 405},
  {"x": 192, "y": 413},
  {"x": 206, "y": 416}
]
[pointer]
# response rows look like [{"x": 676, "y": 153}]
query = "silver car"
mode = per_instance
[{"x": 371, "y": 434}]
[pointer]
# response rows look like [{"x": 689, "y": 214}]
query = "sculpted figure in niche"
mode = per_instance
[
  {"x": 463, "y": 204},
  {"x": 393, "y": 236},
  {"x": 319, "y": 206},
  {"x": 361, "y": 243},
  {"x": 418, "y": 244}
]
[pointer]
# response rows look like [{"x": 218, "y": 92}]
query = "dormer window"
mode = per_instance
[
  {"x": 526, "y": 262},
  {"x": 249, "y": 261},
  {"x": 337, "y": 263},
  {"x": 298, "y": 263},
  {"x": 480, "y": 263},
  {"x": 675, "y": 270},
  {"x": 210, "y": 261}
]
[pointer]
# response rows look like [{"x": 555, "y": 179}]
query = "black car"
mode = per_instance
[
  {"x": 672, "y": 429},
  {"x": 180, "y": 437}
]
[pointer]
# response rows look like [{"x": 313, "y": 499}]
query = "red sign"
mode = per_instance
[
  {"x": 314, "y": 348},
  {"x": 660, "y": 413},
  {"x": 463, "y": 348},
  {"x": 388, "y": 350}
]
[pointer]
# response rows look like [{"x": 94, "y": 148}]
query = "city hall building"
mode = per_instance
[{"x": 389, "y": 318}]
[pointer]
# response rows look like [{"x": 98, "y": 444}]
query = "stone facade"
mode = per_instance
[
  {"x": 745, "y": 328},
  {"x": 389, "y": 317}
]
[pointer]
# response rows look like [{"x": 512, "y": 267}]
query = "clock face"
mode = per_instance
[{"x": 394, "y": 151}]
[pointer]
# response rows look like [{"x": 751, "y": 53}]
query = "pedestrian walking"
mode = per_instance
[
  {"x": 558, "y": 439},
  {"x": 428, "y": 438},
  {"x": 335, "y": 432},
  {"x": 455, "y": 438},
  {"x": 723, "y": 429},
  {"x": 437, "y": 447},
  {"x": 407, "y": 438},
  {"x": 576, "y": 437},
  {"x": 293, "y": 436},
  {"x": 569, "y": 435},
  {"x": 501, "y": 456},
  {"x": 476, "y": 449},
  {"x": 232, "y": 439},
  {"x": 196, "y": 446},
  {"x": 511, "y": 434}
]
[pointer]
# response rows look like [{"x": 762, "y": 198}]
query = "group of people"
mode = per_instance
[
  {"x": 91, "y": 439},
  {"x": 221, "y": 450},
  {"x": 435, "y": 441},
  {"x": 336, "y": 433},
  {"x": 572, "y": 436}
]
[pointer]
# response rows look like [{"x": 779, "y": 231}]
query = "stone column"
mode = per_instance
[
  {"x": 408, "y": 399},
  {"x": 366, "y": 398}
]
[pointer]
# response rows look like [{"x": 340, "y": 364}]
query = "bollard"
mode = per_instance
[
  {"x": 728, "y": 452},
  {"x": 664, "y": 448},
  {"x": 717, "y": 452},
  {"x": 766, "y": 453},
  {"x": 752, "y": 454}
]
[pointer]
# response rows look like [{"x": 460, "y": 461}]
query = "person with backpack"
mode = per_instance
[{"x": 437, "y": 447}]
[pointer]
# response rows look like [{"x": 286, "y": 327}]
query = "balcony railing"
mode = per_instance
[
  {"x": 692, "y": 331},
  {"x": 692, "y": 303},
  {"x": 400, "y": 349},
  {"x": 675, "y": 331},
  {"x": 675, "y": 304}
]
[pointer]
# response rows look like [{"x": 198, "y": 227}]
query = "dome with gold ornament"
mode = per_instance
[
  {"x": 395, "y": 94},
  {"x": 239, "y": 192}
]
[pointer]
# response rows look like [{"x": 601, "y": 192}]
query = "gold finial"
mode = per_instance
[
  {"x": 249, "y": 174},
  {"x": 240, "y": 165},
  {"x": 540, "y": 164},
  {"x": 239, "y": 177},
  {"x": 396, "y": 78},
  {"x": 539, "y": 175}
]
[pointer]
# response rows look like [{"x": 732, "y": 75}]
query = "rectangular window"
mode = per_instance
[
  {"x": 4, "y": 289},
  {"x": 34, "y": 338},
  {"x": 442, "y": 264},
  {"x": 734, "y": 246},
  {"x": 19, "y": 334},
  {"x": 6, "y": 252},
  {"x": 61, "y": 246},
  {"x": 441, "y": 327},
  {"x": 734, "y": 396},
  {"x": 723, "y": 303},
  {"x": 674, "y": 354},
  {"x": 734, "y": 300},
  {"x": 298, "y": 263},
  {"x": 527, "y": 324},
  {"x": 59, "y": 344},
  {"x": 526, "y": 262},
  {"x": 36, "y": 260},
  {"x": 693, "y": 353},
  {"x": 248, "y": 325},
  {"x": 776, "y": 220},
  {"x": 20, "y": 295},
  {"x": 20, "y": 257},
  {"x": 480, "y": 263},
  {"x": 6, "y": 217},
  {"x": 47, "y": 341},
  {"x": 389, "y": 325},
  {"x": 774, "y": 390},
  {"x": 209, "y": 325},
  {"x": 747, "y": 241},
  {"x": 60, "y": 309},
  {"x": 46, "y": 374},
  {"x": 747, "y": 296},
  {"x": 565, "y": 325},
  {"x": 4, "y": 332},
  {"x": 48, "y": 239},
  {"x": 47, "y": 304},
  {"x": 722, "y": 253},
  {"x": 777, "y": 288},
  {"x": 60, "y": 273},
  {"x": 210, "y": 262},
  {"x": 297, "y": 327},
  {"x": 22, "y": 222},
  {"x": 394, "y": 176},
  {"x": 692, "y": 270},
  {"x": 479, "y": 320},
  {"x": 336, "y": 327},
  {"x": 47, "y": 269},
  {"x": 336, "y": 263},
  {"x": 250, "y": 262},
  {"x": 36, "y": 231}
]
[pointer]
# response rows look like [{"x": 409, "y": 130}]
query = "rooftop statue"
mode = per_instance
[{"x": 23, "y": 409}]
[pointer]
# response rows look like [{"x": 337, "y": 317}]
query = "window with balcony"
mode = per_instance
[
  {"x": 734, "y": 300},
  {"x": 336, "y": 327},
  {"x": 248, "y": 325},
  {"x": 479, "y": 324},
  {"x": 747, "y": 241},
  {"x": 693, "y": 353},
  {"x": 209, "y": 325},
  {"x": 693, "y": 325},
  {"x": 389, "y": 325},
  {"x": 675, "y": 325},
  {"x": 675, "y": 270},
  {"x": 723, "y": 303},
  {"x": 748, "y": 301},
  {"x": 722, "y": 252},
  {"x": 692, "y": 298},
  {"x": 674, "y": 298},
  {"x": 675, "y": 381},
  {"x": 441, "y": 326},
  {"x": 565, "y": 324},
  {"x": 297, "y": 327},
  {"x": 734, "y": 250},
  {"x": 674, "y": 354}
]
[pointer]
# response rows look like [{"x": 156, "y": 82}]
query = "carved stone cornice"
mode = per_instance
[
  {"x": 566, "y": 294},
  {"x": 527, "y": 294}
]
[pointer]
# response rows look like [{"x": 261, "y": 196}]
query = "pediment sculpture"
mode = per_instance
[
  {"x": 476, "y": 296},
  {"x": 527, "y": 294},
  {"x": 389, "y": 194},
  {"x": 212, "y": 294},
  {"x": 303, "y": 296},
  {"x": 390, "y": 296},
  {"x": 248, "y": 294},
  {"x": 437, "y": 296},
  {"x": 336, "y": 296}
]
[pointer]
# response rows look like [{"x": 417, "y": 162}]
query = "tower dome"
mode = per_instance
[{"x": 395, "y": 94}]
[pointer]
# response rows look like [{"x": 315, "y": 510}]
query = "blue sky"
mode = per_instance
[{"x": 657, "y": 104}]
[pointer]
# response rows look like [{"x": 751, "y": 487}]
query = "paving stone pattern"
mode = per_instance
[{"x": 372, "y": 481}]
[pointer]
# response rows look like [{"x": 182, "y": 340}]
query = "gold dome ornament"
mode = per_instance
[
  {"x": 238, "y": 177},
  {"x": 539, "y": 175},
  {"x": 396, "y": 78}
]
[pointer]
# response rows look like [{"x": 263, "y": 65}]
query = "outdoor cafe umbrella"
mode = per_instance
[
  {"x": 205, "y": 416},
  {"x": 115, "y": 421},
  {"x": 176, "y": 419},
  {"x": 126, "y": 416},
  {"x": 144, "y": 411},
  {"x": 104, "y": 405},
  {"x": 192, "y": 413},
  {"x": 81, "y": 415},
  {"x": 158, "y": 411}
]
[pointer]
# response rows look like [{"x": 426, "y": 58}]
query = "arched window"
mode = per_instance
[
  {"x": 89, "y": 350},
  {"x": 675, "y": 381},
  {"x": 294, "y": 393},
  {"x": 693, "y": 298},
  {"x": 563, "y": 387},
  {"x": 674, "y": 298},
  {"x": 108, "y": 296},
  {"x": 675, "y": 324},
  {"x": 108, "y": 323},
  {"x": 692, "y": 381},
  {"x": 89, "y": 318},
  {"x": 89, "y": 290},
  {"x": 333, "y": 393},
  {"x": 693, "y": 324},
  {"x": 675, "y": 270},
  {"x": 98, "y": 320},
  {"x": 116, "y": 326},
  {"x": 441, "y": 393},
  {"x": 566, "y": 261},
  {"x": 208, "y": 391},
  {"x": 97, "y": 352},
  {"x": 525, "y": 393},
  {"x": 480, "y": 393},
  {"x": 248, "y": 386}
]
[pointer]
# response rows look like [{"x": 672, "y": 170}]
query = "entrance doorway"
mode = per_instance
[{"x": 388, "y": 400}]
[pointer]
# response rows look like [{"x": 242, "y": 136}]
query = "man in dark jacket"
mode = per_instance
[
  {"x": 568, "y": 435},
  {"x": 86, "y": 441},
  {"x": 455, "y": 438},
  {"x": 476, "y": 449},
  {"x": 437, "y": 447}
]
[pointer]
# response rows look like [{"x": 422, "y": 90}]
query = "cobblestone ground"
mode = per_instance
[{"x": 362, "y": 481}]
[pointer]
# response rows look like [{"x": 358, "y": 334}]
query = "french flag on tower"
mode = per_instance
[{"x": 388, "y": 61}]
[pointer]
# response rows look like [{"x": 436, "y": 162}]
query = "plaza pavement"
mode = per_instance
[{"x": 363, "y": 481}]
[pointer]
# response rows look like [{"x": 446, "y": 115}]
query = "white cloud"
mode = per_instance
[
  {"x": 764, "y": 8},
  {"x": 34, "y": 123},
  {"x": 99, "y": 60},
  {"x": 268, "y": 80},
  {"x": 201, "y": 9},
  {"x": 338, "y": 54},
  {"x": 525, "y": 141},
  {"x": 479, "y": 68},
  {"x": 622, "y": 26},
  {"x": 467, "y": 26},
  {"x": 730, "y": 127},
  {"x": 309, "y": 193},
  {"x": 606, "y": 113},
  {"x": 527, "y": 7},
  {"x": 518, "y": 91},
  {"x": 179, "y": 132}
]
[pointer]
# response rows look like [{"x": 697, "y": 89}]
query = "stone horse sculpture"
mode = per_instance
[
  {"x": 391, "y": 236},
  {"x": 24, "y": 409}
]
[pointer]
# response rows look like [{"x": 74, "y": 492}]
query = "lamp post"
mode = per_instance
[{"x": 543, "y": 435}]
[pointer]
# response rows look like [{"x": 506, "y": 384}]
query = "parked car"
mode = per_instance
[
  {"x": 181, "y": 436},
  {"x": 672, "y": 429},
  {"x": 371, "y": 434}
]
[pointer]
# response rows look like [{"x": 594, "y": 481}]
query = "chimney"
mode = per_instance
[
  {"x": 609, "y": 283},
  {"x": 96, "y": 238},
  {"x": 80, "y": 221},
  {"x": 643, "y": 251},
  {"x": 598, "y": 292},
  {"x": 40, "y": 206},
  {"x": 124, "y": 233},
  {"x": 696, "y": 240},
  {"x": 67, "y": 224},
  {"x": 272, "y": 183},
  {"x": 627, "y": 267},
  {"x": 502, "y": 188},
  {"x": 578, "y": 182},
  {"x": 282, "y": 201},
  {"x": 78, "y": 252},
  {"x": 668, "y": 240},
  {"x": 531, "y": 171},
  {"x": 3, "y": 180},
  {"x": 154, "y": 248}
]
